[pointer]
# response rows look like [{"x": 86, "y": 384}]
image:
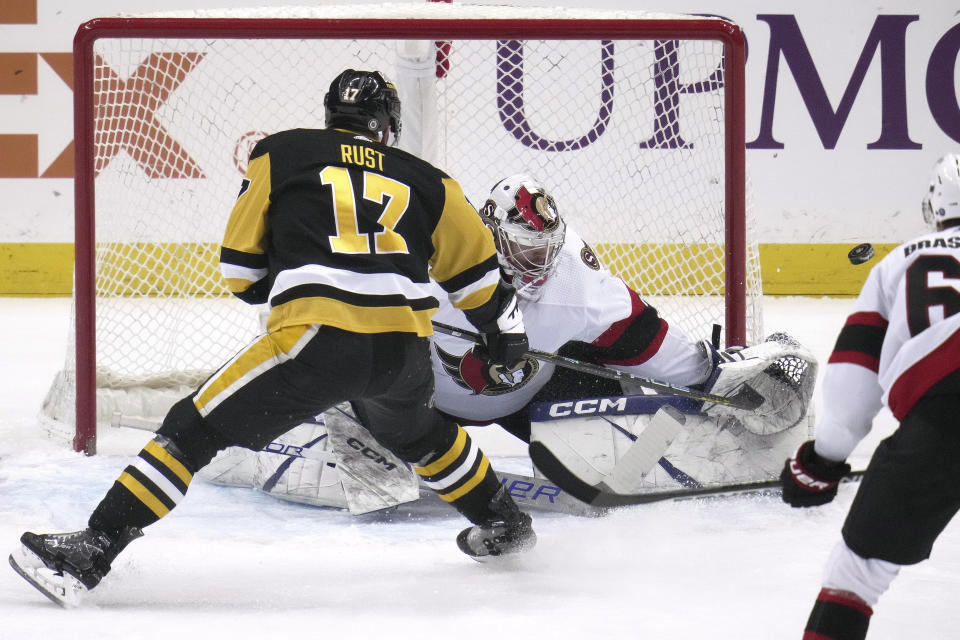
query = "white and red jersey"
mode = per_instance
[
  {"x": 902, "y": 338},
  {"x": 583, "y": 303}
]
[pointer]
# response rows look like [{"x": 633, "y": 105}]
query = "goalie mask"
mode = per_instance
[
  {"x": 528, "y": 230},
  {"x": 942, "y": 201},
  {"x": 364, "y": 101}
]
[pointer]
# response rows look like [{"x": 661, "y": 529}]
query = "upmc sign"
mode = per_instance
[{"x": 886, "y": 45}]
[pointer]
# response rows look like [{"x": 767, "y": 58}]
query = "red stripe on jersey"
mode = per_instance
[
  {"x": 856, "y": 357},
  {"x": 923, "y": 374},
  {"x": 616, "y": 330},
  {"x": 647, "y": 353},
  {"x": 869, "y": 318}
]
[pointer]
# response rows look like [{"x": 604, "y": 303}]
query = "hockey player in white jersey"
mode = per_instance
[
  {"x": 574, "y": 306},
  {"x": 900, "y": 347},
  {"x": 571, "y": 305}
]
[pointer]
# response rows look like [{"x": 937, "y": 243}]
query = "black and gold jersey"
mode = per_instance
[{"x": 333, "y": 228}]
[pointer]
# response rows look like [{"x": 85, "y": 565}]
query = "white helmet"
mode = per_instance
[
  {"x": 528, "y": 230},
  {"x": 942, "y": 201}
]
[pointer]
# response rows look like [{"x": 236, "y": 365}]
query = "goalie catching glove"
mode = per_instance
[
  {"x": 780, "y": 370},
  {"x": 809, "y": 479},
  {"x": 505, "y": 341}
]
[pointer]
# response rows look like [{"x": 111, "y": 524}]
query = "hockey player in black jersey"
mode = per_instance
[
  {"x": 341, "y": 234},
  {"x": 900, "y": 347}
]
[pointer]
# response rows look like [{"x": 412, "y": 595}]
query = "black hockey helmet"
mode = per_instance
[{"x": 363, "y": 101}]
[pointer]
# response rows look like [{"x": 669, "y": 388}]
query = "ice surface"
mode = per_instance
[{"x": 235, "y": 564}]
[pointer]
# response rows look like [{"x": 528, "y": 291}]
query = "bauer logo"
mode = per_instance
[
  {"x": 530, "y": 491},
  {"x": 286, "y": 449}
]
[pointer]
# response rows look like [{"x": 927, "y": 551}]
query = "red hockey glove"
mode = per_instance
[{"x": 810, "y": 480}]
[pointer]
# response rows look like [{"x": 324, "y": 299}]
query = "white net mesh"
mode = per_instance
[{"x": 627, "y": 134}]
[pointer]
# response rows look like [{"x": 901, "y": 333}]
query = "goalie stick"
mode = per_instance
[
  {"x": 646, "y": 450},
  {"x": 597, "y": 496},
  {"x": 745, "y": 398}
]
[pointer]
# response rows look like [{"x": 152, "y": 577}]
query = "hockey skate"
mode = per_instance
[
  {"x": 64, "y": 566},
  {"x": 508, "y": 533}
]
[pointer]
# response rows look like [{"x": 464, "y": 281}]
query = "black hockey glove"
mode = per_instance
[
  {"x": 505, "y": 349},
  {"x": 809, "y": 479},
  {"x": 505, "y": 342}
]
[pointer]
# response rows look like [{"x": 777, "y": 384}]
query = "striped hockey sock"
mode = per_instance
[
  {"x": 838, "y": 615},
  {"x": 148, "y": 489},
  {"x": 462, "y": 476}
]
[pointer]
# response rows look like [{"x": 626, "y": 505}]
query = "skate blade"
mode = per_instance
[
  {"x": 61, "y": 588},
  {"x": 514, "y": 558}
]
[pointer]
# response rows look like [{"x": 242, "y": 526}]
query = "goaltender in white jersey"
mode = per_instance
[
  {"x": 578, "y": 302},
  {"x": 574, "y": 306}
]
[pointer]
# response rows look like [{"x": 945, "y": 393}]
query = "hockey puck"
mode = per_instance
[{"x": 860, "y": 253}]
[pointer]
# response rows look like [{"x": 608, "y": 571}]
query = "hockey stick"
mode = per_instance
[
  {"x": 646, "y": 451},
  {"x": 596, "y": 496},
  {"x": 745, "y": 398}
]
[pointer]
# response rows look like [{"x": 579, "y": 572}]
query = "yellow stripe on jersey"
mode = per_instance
[
  {"x": 467, "y": 486},
  {"x": 171, "y": 463},
  {"x": 446, "y": 459},
  {"x": 271, "y": 347},
  {"x": 238, "y": 285},
  {"x": 247, "y": 223},
  {"x": 143, "y": 494},
  {"x": 350, "y": 317},
  {"x": 460, "y": 237},
  {"x": 476, "y": 298}
]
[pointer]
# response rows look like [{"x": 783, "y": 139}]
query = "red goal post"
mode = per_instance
[{"x": 635, "y": 120}]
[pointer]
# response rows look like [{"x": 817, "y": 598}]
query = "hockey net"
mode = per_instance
[{"x": 634, "y": 120}]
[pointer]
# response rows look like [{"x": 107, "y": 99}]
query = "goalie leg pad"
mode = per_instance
[
  {"x": 616, "y": 442},
  {"x": 300, "y": 466},
  {"x": 372, "y": 477},
  {"x": 780, "y": 369}
]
